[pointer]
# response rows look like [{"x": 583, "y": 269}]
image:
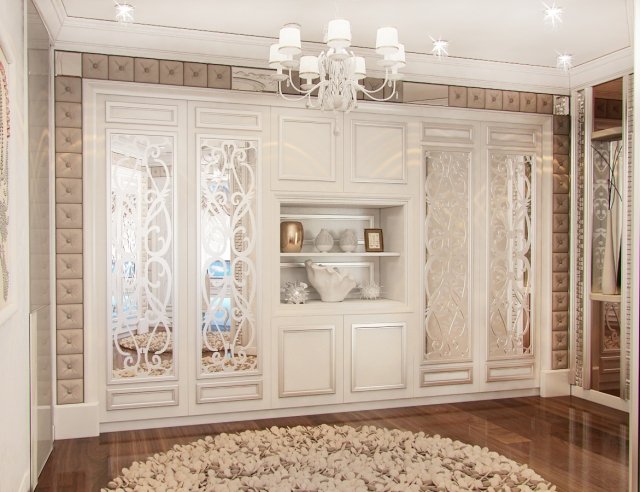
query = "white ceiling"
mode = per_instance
[{"x": 511, "y": 31}]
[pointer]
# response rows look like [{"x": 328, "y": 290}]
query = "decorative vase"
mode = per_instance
[
  {"x": 348, "y": 240},
  {"x": 609, "y": 271},
  {"x": 323, "y": 241},
  {"x": 332, "y": 285},
  {"x": 291, "y": 236}
]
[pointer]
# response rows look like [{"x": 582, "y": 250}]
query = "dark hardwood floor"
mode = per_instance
[{"x": 575, "y": 444}]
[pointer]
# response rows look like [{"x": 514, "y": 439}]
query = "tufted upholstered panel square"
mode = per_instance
[
  {"x": 171, "y": 72},
  {"x": 195, "y": 74},
  {"x": 70, "y": 391},
  {"x": 68, "y": 89},
  {"x": 69, "y": 265},
  {"x": 457, "y": 96},
  {"x": 510, "y": 101},
  {"x": 69, "y": 366},
  {"x": 146, "y": 70},
  {"x": 69, "y": 291},
  {"x": 493, "y": 99},
  {"x": 69, "y": 341},
  {"x": 121, "y": 68},
  {"x": 95, "y": 66},
  {"x": 528, "y": 102},
  {"x": 68, "y": 140},
  {"x": 68, "y": 240},
  {"x": 544, "y": 103},
  {"x": 68, "y": 165},
  {"x": 69, "y": 216},
  {"x": 69, "y": 316},
  {"x": 68, "y": 190}
]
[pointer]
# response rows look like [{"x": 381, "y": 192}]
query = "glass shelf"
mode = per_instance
[
  {"x": 599, "y": 296},
  {"x": 335, "y": 254}
]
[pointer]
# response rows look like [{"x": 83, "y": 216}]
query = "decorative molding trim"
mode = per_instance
[
  {"x": 602, "y": 69},
  {"x": 253, "y": 391},
  {"x": 510, "y": 371},
  {"x": 171, "y": 391},
  {"x": 70, "y": 33},
  {"x": 445, "y": 376}
]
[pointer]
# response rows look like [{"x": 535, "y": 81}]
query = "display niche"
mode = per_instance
[{"x": 349, "y": 255}]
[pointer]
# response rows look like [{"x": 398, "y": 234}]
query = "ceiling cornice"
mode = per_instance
[
  {"x": 603, "y": 69},
  {"x": 98, "y": 36}
]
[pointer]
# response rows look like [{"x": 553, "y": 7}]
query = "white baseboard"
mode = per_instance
[
  {"x": 311, "y": 410},
  {"x": 25, "y": 484},
  {"x": 554, "y": 383},
  {"x": 73, "y": 421},
  {"x": 601, "y": 398}
]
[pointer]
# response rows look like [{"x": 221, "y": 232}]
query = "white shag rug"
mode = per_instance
[{"x": 327, "y": 458}]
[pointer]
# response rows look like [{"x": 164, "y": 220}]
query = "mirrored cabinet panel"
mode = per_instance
[{"x": 602, "y": 206}]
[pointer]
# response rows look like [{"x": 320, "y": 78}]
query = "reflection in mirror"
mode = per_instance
[
  {"x": 227, "y": 335},
  {"x": 510, "y": 267},
  {"x": 607, "y": 152},
  {"x": 141, "y": 269}
]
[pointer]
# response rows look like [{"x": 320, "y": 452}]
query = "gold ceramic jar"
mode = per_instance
[{"x": 291, "y": 236}]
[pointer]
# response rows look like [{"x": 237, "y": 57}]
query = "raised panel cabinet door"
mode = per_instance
[
  {"x": 376, "y": 153},
  {"x": 307, "y": 150},
  {"x": 376, "y": 363},
  {"x": 309, "y": 360}
]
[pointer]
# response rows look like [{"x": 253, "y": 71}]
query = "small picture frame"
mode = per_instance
[{"x": 373, "y": 242}]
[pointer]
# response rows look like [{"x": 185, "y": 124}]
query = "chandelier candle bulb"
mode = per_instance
[
  {"x": 360, "y": 68},
  {"x": 309, "y": 68},
  {"x": 339, "y": 34},
  {"x": 275, "y": 57},
  {"x": 387, "y": 41},
  {"x": 289, "y": 40}
]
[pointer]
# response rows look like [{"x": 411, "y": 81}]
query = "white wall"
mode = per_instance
[{"x": 14, "y": 331}]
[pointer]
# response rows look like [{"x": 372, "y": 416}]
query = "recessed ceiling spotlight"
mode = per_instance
[
  {"x": 553, "y": 14},
  {"x": 124, "y": 12},
  {"x": 440, "y": 48},
  {"x": 564, "y": 61}
]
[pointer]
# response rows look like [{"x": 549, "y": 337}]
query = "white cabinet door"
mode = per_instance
[
  {"x": 376, "y": 153},
  {"x": 307, "y": 150},
  {"x": 376, "y": 359},
  {"x": 309, "y": 361}
]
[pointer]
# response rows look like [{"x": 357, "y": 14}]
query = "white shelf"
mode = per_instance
[
  {"x": 599, "y": 296},
  {"x": 607, "y": 134},
  {"x": 348, "y": 306},
  {"x": 336, "y": 254}
]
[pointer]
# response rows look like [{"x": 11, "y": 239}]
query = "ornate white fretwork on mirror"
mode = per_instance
[
  {"x": 142, "y": 255},
  {"x": 4, "y": 184},
  {"x": 510, "y": 254},
  {"x": 227, "y": 198},
  {"x": 446, "y": 274}
]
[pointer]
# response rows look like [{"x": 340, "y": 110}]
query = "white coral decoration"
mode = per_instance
[
  {"x": 370, "y": 290},
  {"x": 325, "y": 457},
  {"x": 295, "y": 292}
]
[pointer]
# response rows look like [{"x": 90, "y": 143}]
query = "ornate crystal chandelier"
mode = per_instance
[{"x": 339, "y": 70}]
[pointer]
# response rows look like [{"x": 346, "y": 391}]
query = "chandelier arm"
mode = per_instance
[{"x": 370, "y": 93}]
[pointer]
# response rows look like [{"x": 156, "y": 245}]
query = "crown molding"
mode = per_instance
[
  {"x": 602, "y": 69},
  {"x": 109, "y": 37}
]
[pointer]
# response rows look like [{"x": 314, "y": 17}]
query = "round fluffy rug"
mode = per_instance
[{"x": 327, "y": 458}]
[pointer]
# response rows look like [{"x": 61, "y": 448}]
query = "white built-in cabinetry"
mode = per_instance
[{"x": 417, "y": 173}]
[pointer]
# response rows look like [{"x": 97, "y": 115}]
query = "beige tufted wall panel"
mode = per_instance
[
  {"x": 560, "y": 244},
  {"x": 69, "y": 259}
]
